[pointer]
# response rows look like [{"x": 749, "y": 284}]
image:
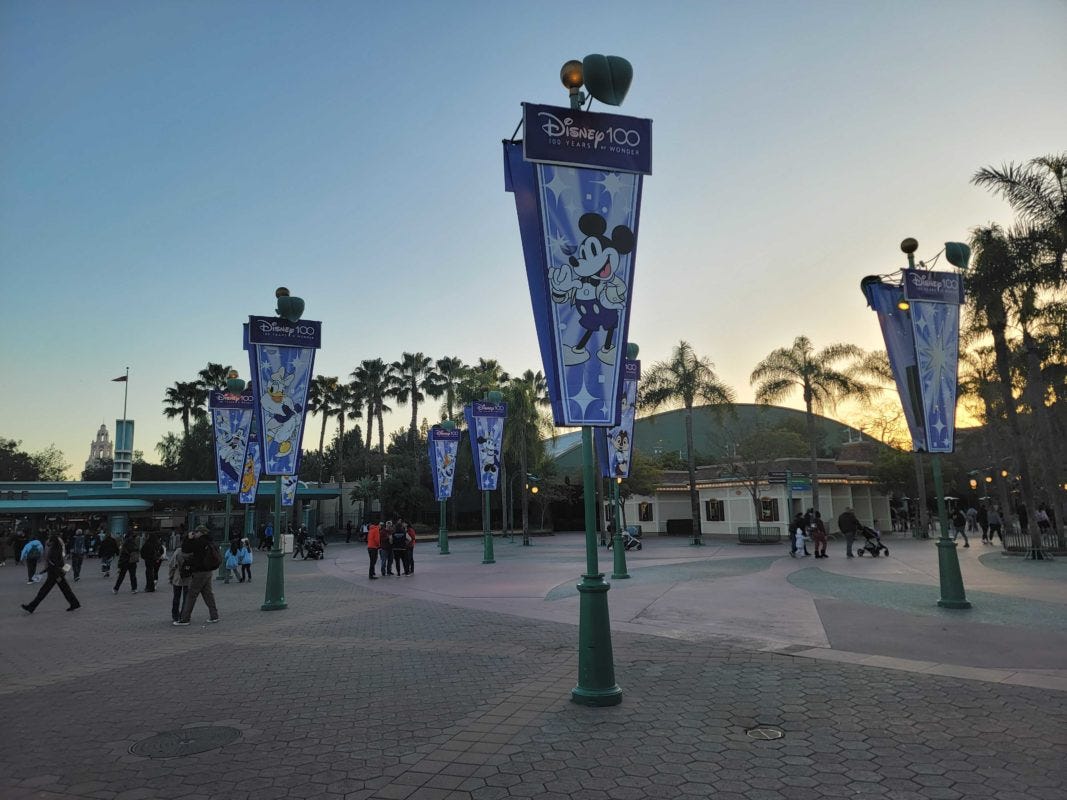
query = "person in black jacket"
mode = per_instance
[
  {"x": 152, "y": 555},
  {"x": 198, "y": 549},
  {"x": 56, "y": 561},
  {"x": 129, "y": 555},
  {"x": 108, "y": 549}
]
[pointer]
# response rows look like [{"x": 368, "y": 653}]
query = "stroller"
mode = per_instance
[
  {"x": 631, "y": 539},
  {"x": 872, "y": 545},
  {"x": 314, "y": 549}
]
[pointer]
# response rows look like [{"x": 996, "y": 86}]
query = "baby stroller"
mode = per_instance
[
  {"x": 631, "y": 539},
  {"x": 873, "y": 545},
  {"x": 313, "y": 549}
]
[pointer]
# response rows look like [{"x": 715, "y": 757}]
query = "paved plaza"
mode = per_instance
[{"x": 455, "y": 682}]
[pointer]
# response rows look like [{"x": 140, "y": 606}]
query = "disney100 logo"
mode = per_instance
[
  {"x": 559, "y": 130},
  {"x": 276, "y": 328},
  {"x": 940, "y": 285}
]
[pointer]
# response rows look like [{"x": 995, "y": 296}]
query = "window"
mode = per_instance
[
  {"x": 768, "y": 509},
  {"x": 714, "y": 511},
  {"x": 644, "y": 512}
]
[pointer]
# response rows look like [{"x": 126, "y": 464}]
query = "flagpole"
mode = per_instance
[{"x": 125, "y": 393}]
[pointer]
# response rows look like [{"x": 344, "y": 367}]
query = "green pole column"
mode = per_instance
[
  {"x": 487, "y": 533},
  {"x": 948, "y": 562},
  {"x": 250, "y": 522},
  {"x": 617, "y": 545},
  {"x": 225, "y": 535},
  {"x": 442, "y": 532},
  {"x": 275, "y": 596},
  {"x": 596, "y": 665}
]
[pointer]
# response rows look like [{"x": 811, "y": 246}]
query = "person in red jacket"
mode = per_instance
[{"x": 373, "y": 541}]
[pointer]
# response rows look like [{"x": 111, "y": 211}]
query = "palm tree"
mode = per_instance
[
  {"x": 821, "y": 383},
  {"x": 374, "y": 380},
  {"x": 340, "y": 397},
  {"x": 213, "y": 376},
  {"x": 185, "y": 399},
  {"x": 451, "y": 372},
  {"x": 415, "y": 378},
  {"x": 485, "y": 376},
  {"x": 525, "y": 396},
  {"x": 685, "y": 378},
  {"x": 320, "y": 401}
]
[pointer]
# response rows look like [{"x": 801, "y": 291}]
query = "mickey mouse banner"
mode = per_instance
[
  {"x": 284, "y": 358},
  {"x": 231, "y": 420},
  {"x": 578, "y": 226},
  {"x": 485, "y": 424},
  {"x": 615, "y": 445},
  {"x": 443, "y": 446}
]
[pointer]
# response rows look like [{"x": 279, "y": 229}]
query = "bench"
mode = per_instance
[{"x": 765, "y": 534}]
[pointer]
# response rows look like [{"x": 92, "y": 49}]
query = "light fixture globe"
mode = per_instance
[
  {"x": 290, "y": 308},
  {"x": 571, "y": 76},
  {"x": 909, "y": 246}
]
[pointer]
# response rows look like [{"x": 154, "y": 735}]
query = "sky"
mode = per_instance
[{"x": 165, "y": 165}]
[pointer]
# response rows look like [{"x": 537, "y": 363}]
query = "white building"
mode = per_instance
[{"x": 100, "y": 449}]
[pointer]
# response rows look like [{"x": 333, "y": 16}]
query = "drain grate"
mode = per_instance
[
  {"x": 185, "y": 742},
  {"x": 765, "y": 732}
]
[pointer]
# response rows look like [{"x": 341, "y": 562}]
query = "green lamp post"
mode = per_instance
[
  {"x": 442, "y": 530},
  {"x": 487, "y": 532}
]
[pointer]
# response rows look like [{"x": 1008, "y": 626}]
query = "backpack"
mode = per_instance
[
  {"x": 400, "y": 539},
  {"x": 212, "y": 556}
]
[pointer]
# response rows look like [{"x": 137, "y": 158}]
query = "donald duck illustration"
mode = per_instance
[{"x": 281, "y": 412}]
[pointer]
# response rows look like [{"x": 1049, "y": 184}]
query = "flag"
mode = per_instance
[{"x": 120, "y": 379}]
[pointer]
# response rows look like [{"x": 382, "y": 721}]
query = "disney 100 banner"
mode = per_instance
[
  {"x": 231, "y": 420},
  {"x": 576, "y": 177},
  {"x": 485, "y": 425},
  {"x": 444, "y": 445},
  {"x": 253, "y": 469},
  {"x": 615, "y": 445},
  {"x": 282, "y": 357}
]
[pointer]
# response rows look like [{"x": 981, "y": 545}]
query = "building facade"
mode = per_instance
[{"x": 99, "y": 449}]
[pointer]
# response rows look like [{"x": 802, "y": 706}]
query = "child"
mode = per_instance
[
  {"x": 800, "y": 539},
  {"x": 179, "y": 583},
  {"x": 230, "y": 560},
  {"x": 244, "y": 558}
]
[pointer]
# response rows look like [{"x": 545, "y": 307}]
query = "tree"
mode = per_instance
[
  {"x": 415, "y": 378},
  {"x": 16, "y": 465},
  {"x": 185, "y": 400},
  {"x": 197, "y": 460},
  {"x": 450, "y": 374},
  {"x": 374, "y": 380},
  {"x": 169, "y": 449},
  {"x": 684, "y": 379},
  {"x": 50, "y": 464},
  {"x": 818, "y": 377},
  {"x": 321, "y": 395},
  {"x": 213, "y": 376},
  {"x": 485, "y": 376},
  {"x": 756, "y": 450},
  {"x": 525, "y": 397}
]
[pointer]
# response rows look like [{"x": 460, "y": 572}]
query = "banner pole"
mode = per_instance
[
  {"x": 442, "y": 532},
  {"x": 487, "y": 532},
  {"x": 616, "y": 540},
  {"x": 275, "y": 597}
]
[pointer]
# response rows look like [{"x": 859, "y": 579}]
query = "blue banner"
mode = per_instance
[
  {"x": 485, "y": 425},
  {"x": 615, "y": 445},
  {"x": 289, "y": 486},
  {"x": 936, "y": 327},
  {"x": 933, "y": 287},
  {"x": 572, "y": 137},
  {"x": 900, "y": 347},
  {"x": 253, "y": 469},
  {"x": 443, "y": 446},
  {"x": 579, "y": 237},
  {"x": 231, "y": 420},
  {"x": 281, "y": 376}
]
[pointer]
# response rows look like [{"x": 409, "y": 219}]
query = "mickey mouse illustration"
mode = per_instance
[
  {"x": 490, "y": 454},
  {"x": 590, "y": 282},
  {"x": 231, "y": 449}
]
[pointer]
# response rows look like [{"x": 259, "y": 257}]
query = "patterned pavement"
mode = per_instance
[{"x": 373, "y": 690}]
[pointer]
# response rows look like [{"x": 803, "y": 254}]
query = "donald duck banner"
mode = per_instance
[
  {"x": 253, "y": 469},
  {"x": 443, "y": 447},
  {"x": 576, "y": 177},
  {"x": 614, "y": 445},
  {"x": 289, "y": 486},
  {"x": 283, "y": 358},
  {"x": 231, "y": 420},
  {"x": 485, "y": 424},
  {"x": 934, "y": 299}
]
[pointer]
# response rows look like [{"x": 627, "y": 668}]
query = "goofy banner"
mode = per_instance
[
  {"x": 252, "y": 470},
  {"x": 485, "y": 424},
  {"x": 576, "y": 177},
  {"x": 283, "y": 358},
  {"x": 614, "y": 445},
  {"x": 444, "y": 445},
  {"x": 231, "y": 421}
]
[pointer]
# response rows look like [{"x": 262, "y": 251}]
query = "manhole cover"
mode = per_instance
[
  {"x": 765, "y": 732},
  {"x": 185, "y": 742}
]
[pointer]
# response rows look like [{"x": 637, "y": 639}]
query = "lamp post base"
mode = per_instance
[
  {"x": 948, "y": 567},
  {"x": 275, "y": 595},
  {"x": 619, "y": 553},
  {"x": 596, "y": 666}
]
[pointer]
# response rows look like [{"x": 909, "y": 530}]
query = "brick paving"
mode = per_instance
[{"x": 356, "y": 693}]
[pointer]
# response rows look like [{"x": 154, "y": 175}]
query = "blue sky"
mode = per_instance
[{"x": 165, "y": 165}]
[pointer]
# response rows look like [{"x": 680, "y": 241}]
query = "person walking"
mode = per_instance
[
  {"x": 798, "y": 522},
  {"x": 179, "y": 578},
  {"x": 244, "y": 558},
  {"x": 373, "y": 542},
  {"x": 996, "y": 525},
  {"x": 348, "y": 532},
  {"x": 129, "y": 555},
  {"x": 77, "y": 553},
  {"x": 203, "y": 559},
  {"x": 56, "y": 567},
  {"x": 299, "y": 542},
  {"x": 959, "y": 527},
  {"x": 411, "y": 550},
  {"x": 818, "y": 535},
  {"x": 5, "y": 547},
  {"x": 849, "y": 523},
  {"x": 30, "y": 555},
  {"x": 152, "y": 555},
  {"x": 108, "y": 549},
  {"x": 231, "y": 561}
]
